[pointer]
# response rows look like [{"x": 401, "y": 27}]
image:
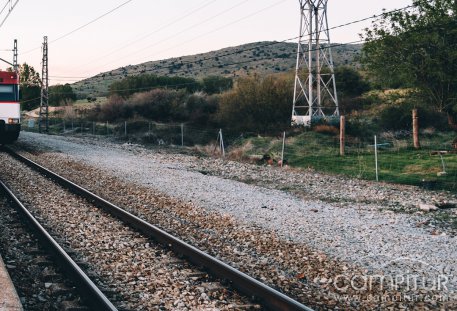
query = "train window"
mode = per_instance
[
  {"x": 6, "y": 89},
  {"x": 8, "y": 93}
]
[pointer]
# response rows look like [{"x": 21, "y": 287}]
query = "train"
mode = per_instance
[{"x": 10, "y": 111}]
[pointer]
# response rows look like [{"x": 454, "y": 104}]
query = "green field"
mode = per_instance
[{"x": 398, "y": 162}]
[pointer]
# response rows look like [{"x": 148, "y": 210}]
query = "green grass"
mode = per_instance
[
  {"x": 397, "y": 164},
  {"x": 83, "y": 103}
]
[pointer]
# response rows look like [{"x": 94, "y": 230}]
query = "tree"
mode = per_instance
[
  {"x": 30, "y": 87},
  {"x": 417, "y": 48},
  {"x": 349, "y": 82},
  {"x": 216, "y": 84},
  {"x": 61, "y": 95},
  {"x": 257, "y": 104},
  {"x": 28, "y": 76},
  {"x": 350, "y": 85},
  {"x": 145, "y": 82}
]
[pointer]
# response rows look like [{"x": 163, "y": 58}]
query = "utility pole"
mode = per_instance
[
  {"x": 315, "y": 94},
  {"x": 15, "y": 63},
  {"x": 43, "y": 122}
]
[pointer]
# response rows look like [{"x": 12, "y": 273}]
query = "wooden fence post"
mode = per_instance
[
  {"x": 416, "y": 129},
  {"x": 342, "y": 134}
]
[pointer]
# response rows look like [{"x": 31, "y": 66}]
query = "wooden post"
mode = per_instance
[
  {"x": 342, "y": 134},
  {"x": 416, "y": 129}
]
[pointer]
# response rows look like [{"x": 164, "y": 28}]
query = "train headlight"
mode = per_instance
[{"x": 13, "y": 121}]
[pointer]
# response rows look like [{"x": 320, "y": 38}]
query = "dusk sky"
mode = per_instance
[{"x": 145, "y": 30}]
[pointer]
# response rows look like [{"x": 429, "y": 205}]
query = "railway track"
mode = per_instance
[
  {"x": 37, "y": 261},
  {"x": 267, "y": 297}
]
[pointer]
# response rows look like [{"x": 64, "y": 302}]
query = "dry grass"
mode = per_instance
[
  {"x": 419, "y": 169},
  {"x": 209, "y": 150},
  {"x": 240, "y": 153},
  {"x": 326, "y": 129}
]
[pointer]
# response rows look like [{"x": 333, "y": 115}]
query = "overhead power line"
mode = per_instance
[
  {"x": 273, "y": 43},
  {"x": 199, "y": 8},
  {"x": 268, "y": 44},
  {"x": 10, "y": 6},
  {"x": 83, "y": 26},
  {"x": 224, "y": 65},
  {"x": 225, "y": 26},
  {"x": 186, "y": 29},
  {"x": 277, "y": 42}
]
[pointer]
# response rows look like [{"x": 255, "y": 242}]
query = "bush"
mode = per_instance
[
  {"x": 158, "y": 105},
  {"x": 201, "y": 109},
  {"x": 131, "y": 85},
  {"x": 257, "y": 104},
  {"x": 115, "y": 109},
  {"x": 399, "y": 117},
  {"x": 216, "y": 84},
  {"x": 326, "y": 129}
]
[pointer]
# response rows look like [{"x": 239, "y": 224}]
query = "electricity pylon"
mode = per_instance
[
  {"x": 315, "y": 94},
  {"x": 43, "y": 122}
]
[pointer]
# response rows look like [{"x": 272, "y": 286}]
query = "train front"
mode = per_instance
[{"x": 10, "y": 111}]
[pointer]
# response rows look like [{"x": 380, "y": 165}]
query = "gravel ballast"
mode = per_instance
[
  {"x": 363, "y": 223},
  {"x": 146, "y": 276}
]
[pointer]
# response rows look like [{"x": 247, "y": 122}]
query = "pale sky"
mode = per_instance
[{"x": 146, "y": 30}]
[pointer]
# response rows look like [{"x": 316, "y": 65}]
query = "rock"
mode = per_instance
[{"x": 427, "y": 207}]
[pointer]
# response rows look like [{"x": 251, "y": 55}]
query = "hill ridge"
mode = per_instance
[{"x": 264, "y": 57}]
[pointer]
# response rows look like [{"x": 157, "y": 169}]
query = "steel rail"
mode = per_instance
[
  {"x": 268, "y": 297},
  {"x": 91, "y": 293}
]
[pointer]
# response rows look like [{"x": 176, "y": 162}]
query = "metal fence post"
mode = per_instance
[
  {"x": 182, "y": 134},
  {"x": 125, "y": 128},
  {"x": 222, "y": 143},
  {"x": 376, "y": 156},
  {"x": 283, "y": 146}
]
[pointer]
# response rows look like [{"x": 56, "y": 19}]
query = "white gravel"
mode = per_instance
[{"x": 359, "y": 233}]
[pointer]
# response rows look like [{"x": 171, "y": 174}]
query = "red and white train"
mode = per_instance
[{"x": 10, "y": 111}]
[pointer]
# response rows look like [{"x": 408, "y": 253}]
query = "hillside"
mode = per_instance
[{"x": 259, "y": 57}]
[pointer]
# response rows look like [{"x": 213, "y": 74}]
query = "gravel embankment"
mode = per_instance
[
  {"x": 146, "y": 276},
  {"x": 349, "y": 221}
]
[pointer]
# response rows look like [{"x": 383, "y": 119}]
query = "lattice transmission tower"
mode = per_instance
[
  {"x": 43, "y": 122},
  {"x": 315, "y": 94}
]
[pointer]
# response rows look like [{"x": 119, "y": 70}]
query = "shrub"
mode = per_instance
[
  {"x": 257, "y": 104},
  {"x": 398, "y": 117},
  {"x": 113, "y": 109},
  {"x": 326, "y": 129}
]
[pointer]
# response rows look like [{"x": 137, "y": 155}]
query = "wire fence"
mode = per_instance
[{"x": 392, "y": 158}]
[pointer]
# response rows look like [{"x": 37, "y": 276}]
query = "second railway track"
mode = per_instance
[{"x": 145, "y": 274}]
